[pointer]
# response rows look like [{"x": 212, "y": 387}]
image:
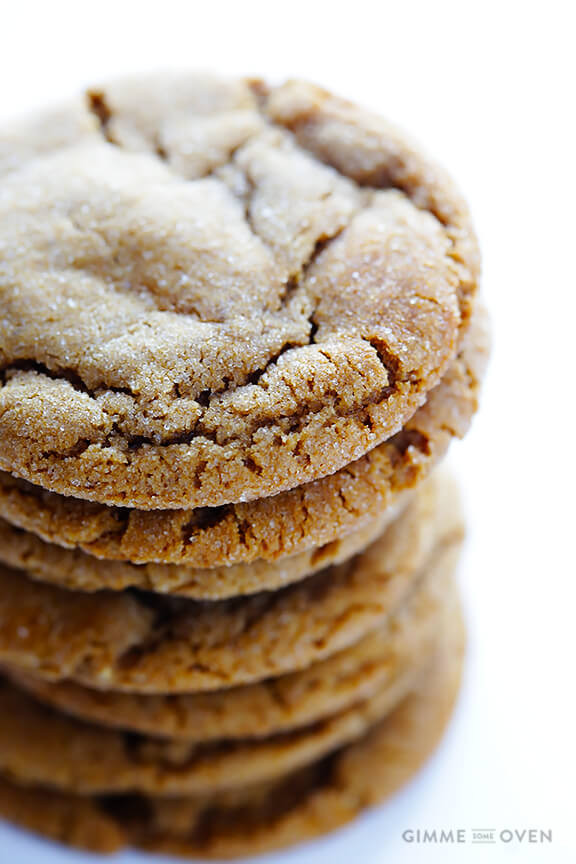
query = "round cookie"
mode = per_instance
[
  {"x": 276, "y": 704},
  {"x": 230, "y": 293},
  {"x": 73, "y": 568},
  {"x": 151, "y": 643},
  {"x": 271, "y": 528},
  {"x": 40, "y": 747},
  {"x": 310, "y": 802}
]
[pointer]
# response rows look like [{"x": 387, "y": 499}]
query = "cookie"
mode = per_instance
[
  {"x": 271, "y": 528},
  {"x": 73, "y": 568},
  {"x": 276, "y": 704},
  {"x": 312, "y": 801},
  {"x": 223, "y": 292},
  {"x": 152, "y": 643},
  {"x": 39, "y": 746}
]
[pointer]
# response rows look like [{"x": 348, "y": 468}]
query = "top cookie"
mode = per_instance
[{"x": 216, "y": 290}]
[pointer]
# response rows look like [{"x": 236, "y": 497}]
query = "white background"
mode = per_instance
[{"x": 489, "y": 88}]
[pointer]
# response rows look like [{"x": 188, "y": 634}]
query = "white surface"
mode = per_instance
[{"x": 490, "y": 90}]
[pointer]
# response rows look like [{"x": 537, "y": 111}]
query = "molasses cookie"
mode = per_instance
[
  {"x": 73, "y": 568},
  {"x": 270, "y": 529},
  {"x": 223, "y": 291},
  {"x": 302, "y": 805},
  {"x": 150, "y": 643},
  {"x": 277, "y": 704}
]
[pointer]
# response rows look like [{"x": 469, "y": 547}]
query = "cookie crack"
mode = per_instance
[
  {"x": 60, "y": 373},
  {"x": 97, "y": 105},
  {"x": 30, "y": 365},
  {"x": 118, "y": 435},
  {"x": 410, "y": 438},
  {"x": 275, "y": 690},
  {"x": 399, "y": 176}
]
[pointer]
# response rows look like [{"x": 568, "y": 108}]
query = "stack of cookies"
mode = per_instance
[{"x": 238, "y": 330}]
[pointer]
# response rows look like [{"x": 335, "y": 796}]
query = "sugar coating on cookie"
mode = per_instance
[
  {"x": 266, "y": 530},
  {"x": 215, "y": 290},
  {"x": 72, "y": 568}
]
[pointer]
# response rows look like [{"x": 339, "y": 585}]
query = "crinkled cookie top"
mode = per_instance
[{"x": 212, "y": 290}]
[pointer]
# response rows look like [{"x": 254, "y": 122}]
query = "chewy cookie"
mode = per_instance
[
  {"x": 314, "y": 800},
  {"x": 73, "y": 568},
  {"x": 149, "y": 643},
  {"x": 269, "y": 529},
  {"x": 41, "y": 747},
  {"x": 218, "y": 291},
  {"x": 277, "y": 704},
  {"x": 239, "y": 330}
]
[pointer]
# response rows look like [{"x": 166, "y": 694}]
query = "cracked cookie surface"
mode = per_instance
[
  {"x": 152, "y": 643},
  {"x": 72, "y": 568},
  {"x": 312, "y": 801},
  {"x": 213, "y": 291},
  {"x": 270, "y": 529}
]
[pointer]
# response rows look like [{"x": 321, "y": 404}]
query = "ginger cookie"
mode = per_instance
[
  {"x": 312, "y": 801},
  {"x": 41, "y": 747},
  {"x": 276, "y": 704},
  {"x": 73, "y": 568},
  {"x": 272, "y": 528},
  {"x": 152, "y": 643},
  {"x": 222, "y": 291}
]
